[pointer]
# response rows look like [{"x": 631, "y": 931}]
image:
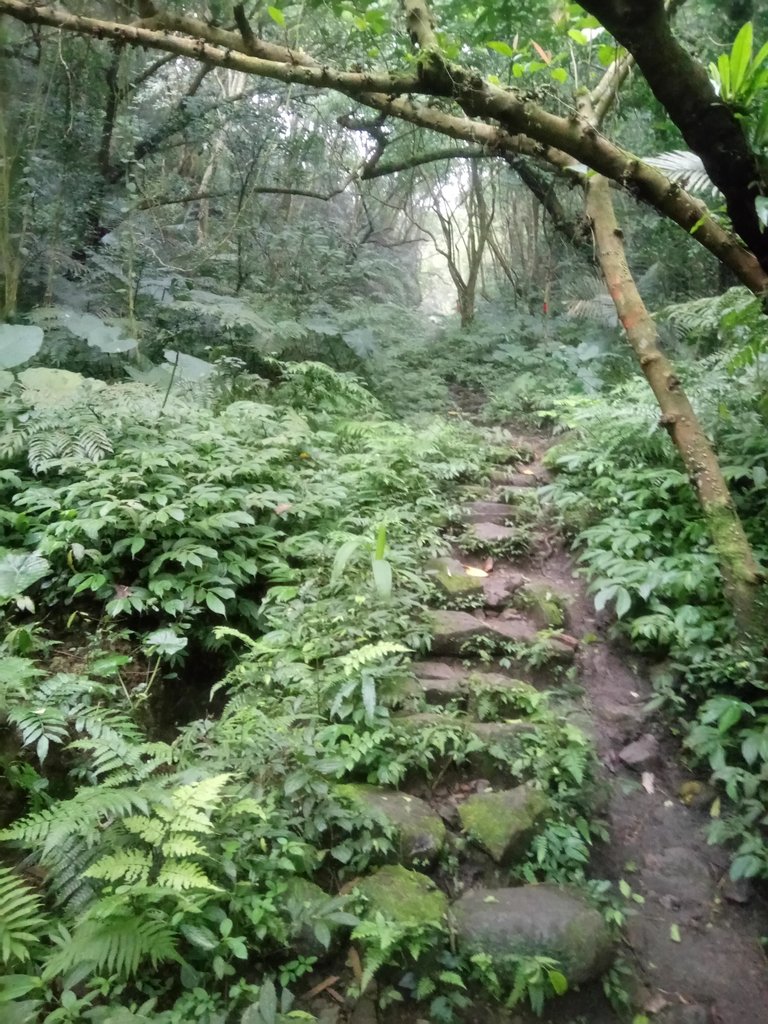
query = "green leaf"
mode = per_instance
[
  {"x": 500, "y": 47},
  {"x": 623, "y": 602},
  {"x": 276, "y": 15},
  {"x": 343, "y": 555},
  {"x": 18, "y": 343},
  {"x": 674, "y": 933},
  {"x": 14, "y": 986},
  {"x": 382, "y": 577},
  {"x": 268, "y": 1002},
  {"x": 559, "y": 75},
  {"x": 741, "y": 57},
  {"x": 165, "y": 641},
  {"x": 215, "y": 603},
  {"x": 559, "y": 982},
  {"x": 578, "y": 37},
  {"x": 19, "y": 571}
]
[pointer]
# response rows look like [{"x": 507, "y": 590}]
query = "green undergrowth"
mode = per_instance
[
  {"x": 622, "y": 495},
  {"x": 211, "y": 602}
]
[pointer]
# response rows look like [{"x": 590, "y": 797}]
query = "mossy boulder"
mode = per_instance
[
  {"x": 421, "y": 832},
  {"x": 546, "y": 606},
  {"x": 404, "y": 897},
  {"x": 535, "y": 920},
  {"x": 504, "y": 823},
  {"x": 450, "y": 577}
]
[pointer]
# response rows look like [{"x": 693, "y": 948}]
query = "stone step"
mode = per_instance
[
  {"x": 492, "y": 534},
  {"x": 526, "y": 480},
  {"x": 452, "y": 630},
  {"x": 441, "y": 684},
  {"x": 487, "y": 512}
]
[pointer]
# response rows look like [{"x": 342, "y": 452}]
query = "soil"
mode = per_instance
[{"x": 694, "y": 946}]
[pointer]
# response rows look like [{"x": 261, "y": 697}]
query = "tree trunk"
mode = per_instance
[{"x": 742, "y": 576}]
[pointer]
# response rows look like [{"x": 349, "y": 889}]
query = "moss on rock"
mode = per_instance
[
  {"x": 421, "y": 832},
  {"x": 404, "y": 897},
  {"x": 504, "y": 823}
]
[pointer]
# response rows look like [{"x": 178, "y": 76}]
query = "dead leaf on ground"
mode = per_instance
[
  {"x": 354, "y": 962},
  {"x": 471, "y": 570},
  {"x": 648, "y": 780},
  {"x": 322, "y": 986},
  {"x": 656, "y": 1003}
]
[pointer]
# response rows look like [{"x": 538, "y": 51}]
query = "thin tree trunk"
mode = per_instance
[{"x": 742, "y": 576}]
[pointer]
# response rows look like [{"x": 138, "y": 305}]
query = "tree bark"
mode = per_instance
[{"x": 742, "y": 576}]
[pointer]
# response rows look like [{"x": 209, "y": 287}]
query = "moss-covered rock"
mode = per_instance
[
  {"x": 535, "y": 920},
  {"x": 405, "y": 897},
  {"x": 451, "y": 578},
  {"x": 421, "y": 832},
  {"x": 544, "y": 605},
  {"x": 504, "y": 823}
]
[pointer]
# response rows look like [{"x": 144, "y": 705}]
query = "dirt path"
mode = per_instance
[{"x": 695, "y": 942}]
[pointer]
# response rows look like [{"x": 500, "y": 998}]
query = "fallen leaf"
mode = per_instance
[
  {"x": 714, "y": 810},
  {"x": 471, "y": 570},
  {"x": 545, "y": 55},
  {"x": 354, "y": 962},
  {"x": 674, "y": 933},
  {"x": 527, "y": 472},
  {"x": 648, "y": 781},
  {"x": 335, "y": 995},
  {"x": 321, "y": 987}
]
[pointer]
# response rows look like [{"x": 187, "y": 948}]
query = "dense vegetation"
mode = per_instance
[{"x": 259, "y": 346}]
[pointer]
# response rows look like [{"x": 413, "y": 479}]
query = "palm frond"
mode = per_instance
[{"x": 685, "y": 169}]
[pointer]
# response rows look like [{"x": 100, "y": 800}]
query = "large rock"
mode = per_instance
[
  {"x": 405, "y": 897},
  {"x": 504, "y": 823},
  {"x": 535, "y": 920},
  {"x": 450, "y": 576},
  {"x": 420, "y": 830}
]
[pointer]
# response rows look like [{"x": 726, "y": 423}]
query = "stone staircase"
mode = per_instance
[{"x": 498, "y": 634}]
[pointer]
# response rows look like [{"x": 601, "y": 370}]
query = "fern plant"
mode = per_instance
[{"x": 22, "y": 924}]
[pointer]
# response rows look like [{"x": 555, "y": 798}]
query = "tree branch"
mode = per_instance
[
  {"x": 709, "y": 126},
  {"x": 523, "y": 126}
]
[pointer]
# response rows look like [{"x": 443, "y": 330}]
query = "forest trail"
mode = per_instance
[{"x": 694, "y": 943}]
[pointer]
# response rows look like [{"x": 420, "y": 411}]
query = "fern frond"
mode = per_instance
[
  {"x": 130, "y": 866},
  {"x": 182, "y": 875},
  {"x": 21, "y": 922},
  {"x": 115, "y": 944}
]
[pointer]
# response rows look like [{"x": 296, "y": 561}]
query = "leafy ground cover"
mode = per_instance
[{"x": 212, "y": 608}]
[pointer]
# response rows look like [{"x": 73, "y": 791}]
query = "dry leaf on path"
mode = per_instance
[
  {"x": 648, "y": 780},
  {"x": 471, "y": 570}
]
